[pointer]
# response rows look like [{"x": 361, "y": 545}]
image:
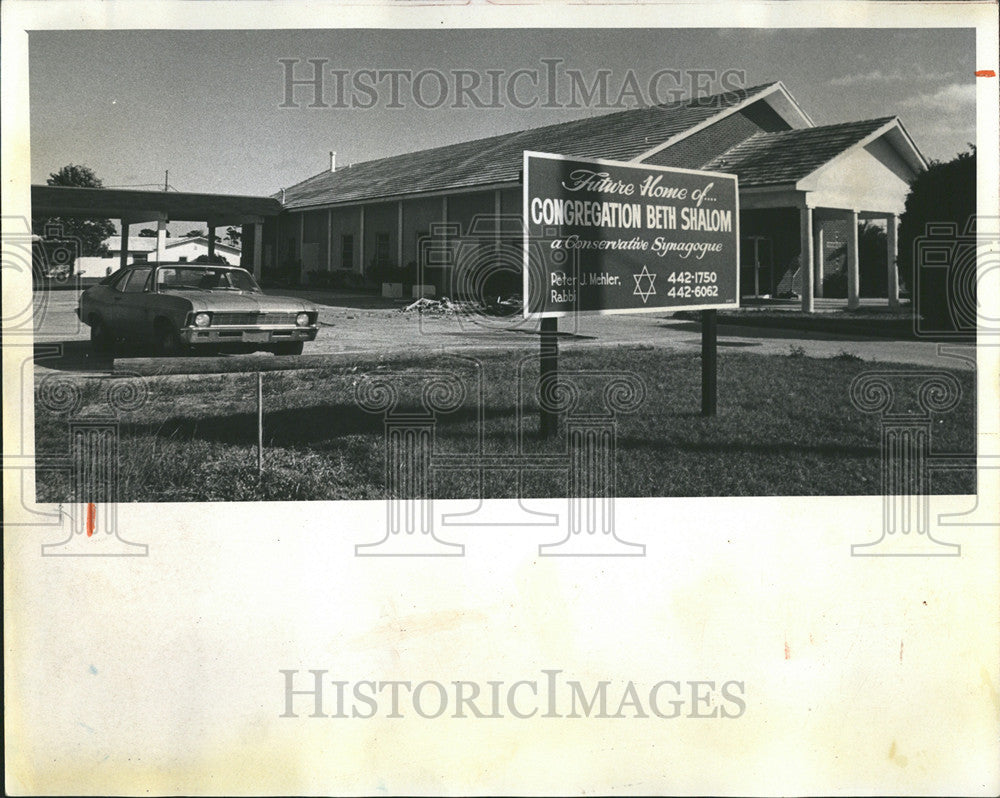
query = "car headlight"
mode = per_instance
[
  {"x": 302, "y": 320},
  {"x": 202, "y": 319}
]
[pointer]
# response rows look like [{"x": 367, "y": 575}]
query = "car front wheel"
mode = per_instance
[
  {"x": 168, "y": 341},
  {"x": 100, "y": 336},
  {"x": 288, "y": 348}
]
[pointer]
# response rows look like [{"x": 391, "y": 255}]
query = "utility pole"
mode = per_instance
[{"x": 166, "y": 180}]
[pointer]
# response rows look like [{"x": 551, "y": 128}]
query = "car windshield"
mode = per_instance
[{"x": 206, "y": 278}]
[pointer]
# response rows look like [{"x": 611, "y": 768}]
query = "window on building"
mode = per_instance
[
  {"x": 347, "y": 252},
  {"x": 140, "y": 257},
  {"x": 182, "y": 260},
  {"x": 382, "y": 249}
]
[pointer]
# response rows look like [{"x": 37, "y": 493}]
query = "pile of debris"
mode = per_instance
[
  {"x": 500, "y": 306},
  {"x": 438, "y": 307}
]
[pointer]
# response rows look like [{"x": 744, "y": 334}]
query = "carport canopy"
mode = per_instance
[{"x": 135, "y": 207}]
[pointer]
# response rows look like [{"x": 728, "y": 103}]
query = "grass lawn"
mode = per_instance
[{"x": 785, "y": 426}]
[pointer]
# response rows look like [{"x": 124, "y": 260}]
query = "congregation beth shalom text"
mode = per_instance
[{"x": 689, "y": 210}]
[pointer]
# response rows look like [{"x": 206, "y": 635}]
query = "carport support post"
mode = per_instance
[
  {"x": 258, "y": 244},
  {"x": 211, "y": 241},
  {"x": 161, "y": 237},
  {"x": 548, "y": 373},
  {"x": 260, "y": 423},
  {"x": 709, "y": 363},
  {"x": 123, "y": 255}
]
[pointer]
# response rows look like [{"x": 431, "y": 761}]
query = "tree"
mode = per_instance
[
  {"x": 233, "y": 235},
  {"x": 201, "y": 234},
  {"x": 944, "y": 195},
  {"x": 79, "y": 236},
  {"x": 150, "y": 232}
]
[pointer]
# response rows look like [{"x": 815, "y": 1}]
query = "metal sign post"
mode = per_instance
[
  {"x": 548, "y": 374},
  {"x": 709, "y": 363}
]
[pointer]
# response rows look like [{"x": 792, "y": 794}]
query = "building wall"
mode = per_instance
[
  {"x": 418, "y": 216},
  {"x": 464, "y": 208},
  {"x": 314, "y": 240},
  {"x": 779, "y": 227},
  {"x": 345, "y": 222},
  {"x": 381, "y": 222}
]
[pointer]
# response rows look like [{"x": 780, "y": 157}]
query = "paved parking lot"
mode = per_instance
[{"x": 369, "y": 327}]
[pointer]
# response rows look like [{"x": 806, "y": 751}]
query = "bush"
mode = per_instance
[{"x": 944, "y": 194}]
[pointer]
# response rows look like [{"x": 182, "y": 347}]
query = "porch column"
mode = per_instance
[
  {"x": 891, "y": 246},
  {"x": 818, "y": 259},
  {"x": 161, "y": 237},
  {"x": 399, "y": 234},
  {"x": 258, "y": 245},
  {"x": 852, "y": 260},
  {"x": 123, "y": 255},
  {"x": 361, "y": 242},
  {"x": 806, "y": 257}
]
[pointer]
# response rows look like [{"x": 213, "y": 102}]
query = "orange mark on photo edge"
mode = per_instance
[
  {"x": 91, "y": 518},
  {"x": 985, "y": 73},
  {"x": 788, "y": 651}
]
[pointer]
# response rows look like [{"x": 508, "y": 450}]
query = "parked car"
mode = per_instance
[{"x": 181, "y": 307}]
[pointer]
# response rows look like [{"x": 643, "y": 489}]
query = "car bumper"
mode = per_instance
[{"x": 216, "y": 336}]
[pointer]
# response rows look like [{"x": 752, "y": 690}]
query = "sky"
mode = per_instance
[{"x": 206, "y": 105}]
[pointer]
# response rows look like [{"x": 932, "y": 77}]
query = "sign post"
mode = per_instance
[
  {"x": 548, "y": 372},
  {"x": 606, "y": 237},
  {"x": 709, "y": 361}
]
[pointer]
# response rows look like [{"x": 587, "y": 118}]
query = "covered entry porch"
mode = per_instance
[
  {"x": 809, "y": 194},
  {"x": 790, "y": 246}
]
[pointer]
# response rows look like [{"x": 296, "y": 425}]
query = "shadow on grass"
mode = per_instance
[
  {"x": 748, "y": 330},
  {"x": 317, "y": 424},
  {"x": 305, "y": 425},
  {"x": 77, "y": 356},
  {"x": 747, "y": 447}
]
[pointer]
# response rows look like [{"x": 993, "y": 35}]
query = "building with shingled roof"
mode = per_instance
[{"x": 803, "y": 189}]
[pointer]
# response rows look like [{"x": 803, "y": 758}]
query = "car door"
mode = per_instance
[
  {"x": 100, "y": 300},
  {"x": 130, "y": 306}
]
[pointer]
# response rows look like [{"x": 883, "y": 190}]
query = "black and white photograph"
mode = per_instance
[{"x": 501, "y": 398}]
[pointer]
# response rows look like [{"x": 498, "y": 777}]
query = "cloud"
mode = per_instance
[
  {"x": 953, "y": 98},
  {"x": 896, "y": 75}
]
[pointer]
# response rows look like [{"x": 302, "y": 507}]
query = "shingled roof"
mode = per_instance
[
  {"x": 618, "y": 136},
  {"x": 787, "y": 157}
]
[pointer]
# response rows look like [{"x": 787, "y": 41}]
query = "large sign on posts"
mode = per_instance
[{"x": 611, "y": 237}]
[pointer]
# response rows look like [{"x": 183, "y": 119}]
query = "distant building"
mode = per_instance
[
  {"x": 142, "y": 249},
  {"x": 178, "y": 250}
]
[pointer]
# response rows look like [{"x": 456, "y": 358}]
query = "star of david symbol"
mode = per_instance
[{"x": 647, "y": 292}]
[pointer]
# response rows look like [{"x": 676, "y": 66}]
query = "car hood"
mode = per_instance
[{"x": 240, "y": 301}]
